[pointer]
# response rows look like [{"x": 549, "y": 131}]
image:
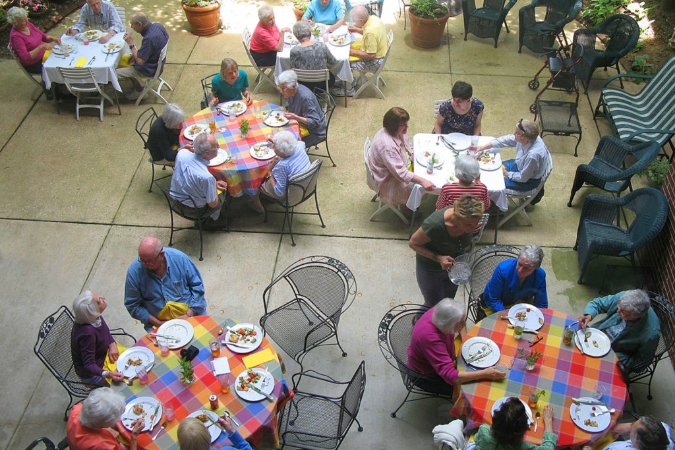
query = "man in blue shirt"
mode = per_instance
[
  {"x": 329, "y": 12},
  {"x": 98, "y": 15},
  {"x": 160, "y": 275}
]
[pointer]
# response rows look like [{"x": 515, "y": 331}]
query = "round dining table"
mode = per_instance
[{"x": 563, "y": 372}]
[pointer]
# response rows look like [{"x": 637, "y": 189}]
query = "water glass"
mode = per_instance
[
  {"x": 169, "y": 412},
  {"x": 225, "y": 380},
  {"x": 142, "y": 374},
  {"x": 600, "y": 391},
  {"x": 214, "y": 345},
  {"x": 163, "y": 345},
  {"x": 474, "y": 141},
  {"x": 518, "y": 329}
]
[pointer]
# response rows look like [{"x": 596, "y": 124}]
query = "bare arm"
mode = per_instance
[
  {"x": 439, "y": 123},
  {"x": 477, "y": 126},
  {"x": 417, "y": 242}
]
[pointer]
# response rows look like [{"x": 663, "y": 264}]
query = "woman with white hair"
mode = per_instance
[
  {"x": 28, "y": 41},
  {"x": 630, "y": 323},
  {"x": 309, "y": 55},
  {"x": 517, "y": 280},
  {"x": 432, "y": 349},
  {"x": 266, "y": 39},
  {"x": 193, "y": 435},
  {"x": 91, "y": 344},
  {"x": 165, "y": 132},
  {"x": 303, "y": 106},
  {"x": 91, "y": 423}
]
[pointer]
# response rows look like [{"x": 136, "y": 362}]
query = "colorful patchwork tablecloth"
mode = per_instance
[
  {"x": 243, "y": 173},
  {"x": 563, "y": 372},
  {"x": 164, "y": 384}
]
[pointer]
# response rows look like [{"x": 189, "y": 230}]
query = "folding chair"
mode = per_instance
[
  {"x": 149, "y": 82},
  {"x": 143, "y": 124},
  {"x": 82, "y": 83},
  {"x": 40, "y": 88},
  {"x": 376, "y": 78},
  {"x": 265, "y": 74},
  {"x": 313, "y": 76},
  {"x": 370, "y": 179}
]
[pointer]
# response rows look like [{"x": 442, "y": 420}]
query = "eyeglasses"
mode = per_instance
[
  {"x": 145, "y": 263},
  {"x": 520, "y": 126}
]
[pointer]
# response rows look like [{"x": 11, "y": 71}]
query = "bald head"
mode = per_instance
[
  {"x": 139, "y": 18},
  {"x": 149, "y": 248},
  {"x": 359, "y": 14}
]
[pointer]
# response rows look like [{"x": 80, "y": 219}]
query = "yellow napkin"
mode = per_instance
[
  {"x": 304, "y": 132},
  {"x": 258, "y": 358},
  {"x": 125, "y": 61},
  {"x": 46, "y": 55},
  {"x": 356, "y": 46},
  {"x": 81, "y": 62},
  {"x": 108, "y": 364},
  {"x": 172, "y": 310}
]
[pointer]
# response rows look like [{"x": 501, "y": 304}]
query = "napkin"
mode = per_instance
[
  {"x": 415, "y": 198},
  {"x": 220, "y": 366},
  {"x": 81, "y": 62},
  {"x": 258, "y": 358}
]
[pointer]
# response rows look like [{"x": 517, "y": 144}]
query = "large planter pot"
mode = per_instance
[
  {"x": 203, "y": 20},
  {"x": 427, "y": 33},
  {"x": 298, "y": 14}
]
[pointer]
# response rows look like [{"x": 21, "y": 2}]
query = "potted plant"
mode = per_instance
[
  {"x": 534, "y": 397},
  {"x": 202, "y": 15},
  {"x": 3, "y": 19},
  {"x": 299, "y": 8},
  {"x": 656, "y": 172},
  {"x": 427, "y": 22},
  {"x": 244, "y": 127},
  {"x": 187, "y": 375},
  {"x": 531, "y": 358},
  {"x": 35, "y": 8}
]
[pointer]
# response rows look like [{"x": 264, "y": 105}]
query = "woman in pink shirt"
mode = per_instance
[
  {"x": 267, "y": 40},
  {"x": 28, "y": 41}
]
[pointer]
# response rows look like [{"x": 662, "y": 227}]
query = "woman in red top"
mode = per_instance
[
  {"x": 267, "y": 40},
  {"x": 28, "y": 41}
]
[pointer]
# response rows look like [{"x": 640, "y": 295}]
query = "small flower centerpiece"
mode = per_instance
[
  {"x": 531, "y": 358},
  {"x": 534, "y": 397},
  {"x": 187, "y": 375},
  {"x": 244, "y": 127}
]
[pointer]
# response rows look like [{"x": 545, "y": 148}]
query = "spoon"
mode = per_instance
[{"x": 536, "y": 423}]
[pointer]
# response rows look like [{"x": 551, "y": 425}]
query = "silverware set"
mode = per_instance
[{"x": 482, "y": 353}]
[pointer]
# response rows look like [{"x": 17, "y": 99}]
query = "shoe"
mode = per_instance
[
  {"x": 133, "y": 95},
  {"x": 49, "y": 95},
  {"x": 538, "y": 198},
  {"x": 259, "y": 209},
  {"x": 339, "y": 92},
  {"x": 214, "y": 225}
]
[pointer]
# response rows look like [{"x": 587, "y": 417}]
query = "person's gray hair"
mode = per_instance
[
  {"x": 467, "y": 169},
  {"x": 265, "y": 12},
  {"x": 530, "y": 129},
  {"x": 533, "y": 254},
  {"x": 302, "y": 30},
  {"x": 635, "y": 302},
  {"x": 14, "y": 14},
  {"x": 359, "y": 12},
  {"x": 140, "y": 18},
  {"x": 289, "y": 79},
  {"x": 201, "y": 144},
  {"x": 173, "y": 115},
  {"x": 102, "y": 409},
  {"x": 650, "y": 435},
  {"x": 447, "y": 314},
  {"x": 285, "y": 143},
  {"x": 85, "y": 308}
]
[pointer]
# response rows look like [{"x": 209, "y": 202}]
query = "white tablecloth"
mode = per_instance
[
  {"x": 341, "y": 69},
  {"x": 493, "y": 179},
  {"x": 104, "y": 70}
]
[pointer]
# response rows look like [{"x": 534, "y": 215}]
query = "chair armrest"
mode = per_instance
[
  {"x": 649, "y": 130},
  {"x": 121, "y": 332},
  {"x": 507, "y": 8},
  {"x": 49, "y": 445},
  {"x": 626, "y": 75}
]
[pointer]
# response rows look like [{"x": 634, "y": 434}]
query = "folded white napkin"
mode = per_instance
[
  {"x": 450, "y": 434},
  {"x": 220, "y": 366},
  {"x": 415, "y": 198}
]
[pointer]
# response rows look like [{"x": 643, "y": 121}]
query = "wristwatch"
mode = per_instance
[{"x": 132, "y": 46}]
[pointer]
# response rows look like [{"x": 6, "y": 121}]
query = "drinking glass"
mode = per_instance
[
  {"x": 600, "y": 391},
  {"x": 225, "y": 380},
  {"x": 567, "y": 335},
  {"x": 163, "y": 345},
  {"x": 169, "y": 411},
  {"x": 518, "y": 329},
  {"x": 214, "y": 345},
  {"x": 142, "y": 374}
]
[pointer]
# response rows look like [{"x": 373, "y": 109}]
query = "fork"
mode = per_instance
[
  {"x": 596, "y": 414},
  {"x": 478, "y": 355}
]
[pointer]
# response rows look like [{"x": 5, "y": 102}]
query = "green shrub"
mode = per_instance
[
  {"x": 428, "y": 9},
  {"x": 599, "y": 10}
]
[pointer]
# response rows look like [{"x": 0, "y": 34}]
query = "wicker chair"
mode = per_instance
[
  {"x": 538, "y": 35},
  {"x": 486, "y": 21},
  {"x": 646, "y": 207}
]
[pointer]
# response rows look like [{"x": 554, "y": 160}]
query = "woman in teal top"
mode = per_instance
[{"x": 230, "y": 84}]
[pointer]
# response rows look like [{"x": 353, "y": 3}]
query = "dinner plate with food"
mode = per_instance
[
  {"x": 243, "y": 338},
  {"x": 262, "y": 152},
  {"x": 489, "y": 161},
  {"x": 178, "y": 332},
  {"x": 340, "y": 40},
  {"x": 530, "y": 314},
  {"x": 275, "y": 119},
  {"x": 111, "y": 47},
  {"x": 422, "y": 158},
  {"x": 135, "y": 357},
  {"x": 192, "y": 131},
  {"x": 237, "y": 106},
  {"x": 582, "y": 415},
  {"x": 498, "y": 404},
  {"x": 456, "y": 141},
  {"x": 208, "y": 418},
  {"x": 290, "y": 39},
  {"x": 593, "y": 342},
  {"x": 146, "y": 408},
  {"x": 91, "y": 35},
  {"x": 222, "y": 157},
  {"x": 252, "y": 384},
  {"x": 480, "y": 352},
  {"x": 64, "y": 49}
]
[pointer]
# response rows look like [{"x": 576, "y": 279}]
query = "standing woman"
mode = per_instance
[
  {"x": 461, "y": 114},
  {"x": 267, "y": 40},
  {"x": 28, "y": 41}
]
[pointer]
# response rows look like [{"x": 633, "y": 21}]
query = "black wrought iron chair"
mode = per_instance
[
  {"x": 321, "y": 289},
  {"x": 486, "y": 21},
  {"x": 647, "y": 210},
  {"x": 607, "y": 170},
  {"x": 143, "y": 124},
  {"x": 394, "y": 335},
  {"x": 327, "y": 103},
  {"x": 48, "y": 444},
  {"x": 665, "y": 311},
  {"x": 206, "y": 82},
  {"x": 53, "y": 349},
  {"x": 317, "y": 421},
  {"x": 619, "y": 35},
  {"x": 540, "y": 35},
  {"x": 483, "y": 263}
]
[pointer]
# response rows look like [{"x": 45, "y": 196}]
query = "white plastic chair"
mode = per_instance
[
  {"x": 375, "y": 79},
  {"x": 149, "y": 82},
  {"x": 313, "y": 76},
  {"x": 122, "y": 13},
  {"x": 265, "y": 74},
  {"x": 40, "y": 87},
  {"x": 81, "y": 81},
  {"x": 382, "y": 207}
]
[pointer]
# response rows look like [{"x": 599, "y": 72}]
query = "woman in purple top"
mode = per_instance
[
  {"x": 28, "y": 41},
  {"x": 91, "y": 341},
  {"x": 461, "y": 114}
]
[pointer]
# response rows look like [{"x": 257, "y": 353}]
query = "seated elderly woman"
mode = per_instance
[
  {"x": 303, "y": 106},
  {"x": 432, "y": 349},
  {"x": 329, "y": 12},
  {"x": 230, "y": 84},
  {"x": 509, "y": 425},
  {"x": 266, "y": 39},
  {"x": 193, "y": 435},
  {"x": 646, "y": 433},
  {"x": 309, "y": 55},
  {"x": 91, "y": 344},
  {"x": 390, "y": 160},
  {"x": 27, "y": 40},
  {"x": 164, "y": 133},
  {"x": 461, "y": 114},
  {"x": 467, "y": 173},
  {"x": 517, "y": 280},
  {"x": 630, "y": 323},
  {"x": 90, "y": 424}
]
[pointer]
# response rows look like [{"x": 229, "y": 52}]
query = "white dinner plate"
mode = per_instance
[
  {"x": 598, "y": 344},
  {"x": 62, "y": 49},
  {"x": 92, "y": 35},
  {"x": 581, "y": 416},
  {"x": 111, "y": 47},
  {"x": 135, "y": 357},
  {"x": 150, "y": 405},
  {"x": 275, "y": 119},
  {"x": 499, "y": 403},
  {"x": 178, "y": 331},
  {"x": 192, "y": 131},
  {"x": 534, "y": 319},
  {"x": 239, "y": 107},
  {"x": 265, "y": 384},
  {"x": 340, "y": 40},
  {"x": 222, "y": 157},
  {"x": 489, "y": 161},
  {"x": 290, "y": 39},
  {"x": 458, "y": 140},
  {"x": 214, "y": 430},
  {"x": 474, "y": 345},
  {"x": 262, "y": 152},
  {"x": 422, "y": 157},
  {"x": 245, "y": 343}
]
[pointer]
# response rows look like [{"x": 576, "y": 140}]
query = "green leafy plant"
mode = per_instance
[
  {"x": 3, "y": 16},
  {"x": 598, "y": 10},
  {"x": 535, "y": 395},
  {"x": 200, "y": 3},
  {"x": 244, "y": 126},
  {"x": 639, "y": 46},
  {"x": 187, "y": 374},
  {"x": 428, "y": 9},
  {"x": 656, "y": 172},
  {"x": 641, "y": 66},
  {"x": 532, "y": 357},
  {"x": 301, "y": 5}
]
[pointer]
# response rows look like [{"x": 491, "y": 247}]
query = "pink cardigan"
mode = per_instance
[
  {"x": 431, "y": 351},
  {"x": 23, "y": 44}
]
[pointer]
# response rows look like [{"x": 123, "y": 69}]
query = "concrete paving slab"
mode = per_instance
[{"x": 19, "y": 96}]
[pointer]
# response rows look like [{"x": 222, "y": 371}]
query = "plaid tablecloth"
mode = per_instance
[
  {"x": 256, "y": 418},
  {"x": 243, "y": 174},
  {"x": 563, "y": 372}
]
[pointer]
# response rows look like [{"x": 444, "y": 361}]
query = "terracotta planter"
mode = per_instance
[
  {"x": 203, "y": 20},
  {"x": 427, "y": 33},
  {"x": 298, "y": 14}
]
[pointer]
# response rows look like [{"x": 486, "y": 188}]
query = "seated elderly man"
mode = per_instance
[
  {"x": 517, "y": 280},
  {"x": 303, "y": 106},
  {"x": 630, "y": 324},
  {"x": 98, "y": 15},
  {"x": 329, "y": 12},
  {"x": 164, "y": 133},
  {"x": 162, "y": 284},
  {"x": 646, "y": 433},
  {"x": 193, "y": 186},
  {"x": 374, "y": 47},
  {"x": 146, "y": 58}
]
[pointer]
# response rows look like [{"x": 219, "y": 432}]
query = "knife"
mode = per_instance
[
  {"x": 234, "y": 344},
  {"x": 91, "y": 61},
  {"x": 259, "y": 391},
  {"x": 581, "y": 347},
  {"x": 588, "y": 402}
]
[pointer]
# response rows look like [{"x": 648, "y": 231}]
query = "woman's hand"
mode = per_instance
[
  {"x": 446, "y": 262},
  {"x": 116, "y": 376},
  {"x": 247, "y": 97},
  {"x": 136, "y": 427},
  {"x": 548, "y": 418},
  {"x": 47, "y": 45},
  {"x": 226, "y": 424},
  {"x": 428, "y": 185},
  {"x": 214, "y": 101},
  {"x": 113, "y": 352},
  {"x": 493, "y": 374},
  {"x": 285, "y": 30},
  {"x": 584, "y": 320}
]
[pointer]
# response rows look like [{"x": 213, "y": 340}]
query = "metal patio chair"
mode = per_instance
[
  {"x": 327, "y": 103},
  {"x": 206, "y": 83},
  {"x": 143, "y": 124},
  {"x": 486, "y": 21},
  {"x": 48, "y": 444}
]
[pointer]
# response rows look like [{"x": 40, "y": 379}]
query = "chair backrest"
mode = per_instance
[
  {"x": 482, "y": 224},
  {"x": 497, "y": 5},
  {"x": 612, "y": 155},
  {"x": 143, "y": 124},
  {"x": 79, "y": 79},
  {"x": 23, "y": 69},
  {"x": 351, "y": 399},
  {"x": 176, "y": 207},
  {"x": 313, "y": 76},
  {"x": 122, "y": 13},
  {"x": 370, "y": 179},
  {"x": 395, "y": 333},
  {"x": 161, "y": 61},
  {"x": 650, "y": 207},
  {"x": 665, "y": 311},
  {"x": 327, "y": 104},
  {"x": 622, "y": 32},
  {"x": 561, "y": 12},
  {"x": 483, "y": 263},
  {"x": 246, "y": 41},
  {"x": 302, "y": 186}
]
